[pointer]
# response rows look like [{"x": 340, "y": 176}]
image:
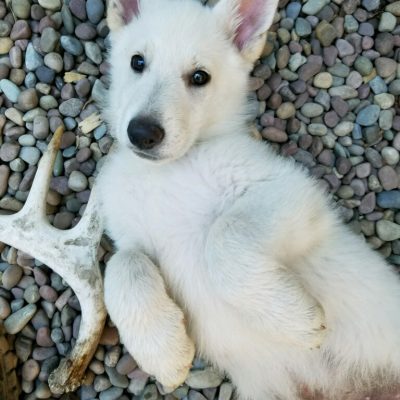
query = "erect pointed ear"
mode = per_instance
[
  {"x": 121, "y": 12},
  {"x": 247, "y": 22}
]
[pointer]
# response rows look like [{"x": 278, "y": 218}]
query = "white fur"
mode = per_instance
[{"x": 222, "y": 231}]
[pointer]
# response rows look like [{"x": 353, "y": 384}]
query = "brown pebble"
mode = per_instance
[
  {"x": 367, "y": 204},
  {"x": 28, "y": 99},
  {"x": 20, "y": 30},
  {"x": 274, "y": 135},
  {"x": 109, "y": 337},
  {"x": 11, "y": 276},
  {"x": 30, "y": 370},
  {"x": 43, "y": 338},
  {"x": 388, "y": 178},
  {"x": 48, "y": 293}
]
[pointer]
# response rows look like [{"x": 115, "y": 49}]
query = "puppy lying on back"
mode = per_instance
[{"x": 223, "y": 246}]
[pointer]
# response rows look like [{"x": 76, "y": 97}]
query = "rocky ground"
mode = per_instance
[{"x": 328, "y": 89}]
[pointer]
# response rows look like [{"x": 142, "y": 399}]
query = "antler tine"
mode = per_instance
[
  {"x": 36, "y": 201},
  {"x": 72, "y": 254}
]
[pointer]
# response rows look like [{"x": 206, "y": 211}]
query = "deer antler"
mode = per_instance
[{"x": 72, "y": 254}]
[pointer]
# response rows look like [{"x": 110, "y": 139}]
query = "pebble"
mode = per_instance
[
  {"x": 311, "y": 110},
  {"x": 78, "y": 8},
  {"x": 40, "y": 127},
  {"x": 368, "y": 115},
  {"x": 30, "y": 155},
  {"x": 30, "y": 370},
  {"x": 21, "y": 8},
  {"x": 384, "y": 100},
  {"x": 387, "y": 230},
  {"x": 370, "y": 5},
  {"x": 274, "y": 134},
  {"x": 28, "y": 99},
  {"x": 49, "y": 39},
  {"x": 293, "y": 10},
  {"x": 114, "y": 393},
  {"x": 31, "y": 294},
  {"x": 10, "y": 89},
  {"x": 126, "y": 364},
  {"x": 390, "y": 199},
  {"x": 201, "y": 379},
  {"x": 71, "y": 107},
  {"x": 312, "y": 7},
  {"x": 71, "y": 45},
  {"x": 286, "y": 111},
  {"x": 17, "y": 321},
  {"x": 94, "y": 10},
  {"x": 14, "y": 115},
  {"x": 385, "y": 67},
  {"x": 33, "y": 59},
  {"x": 5, "y": 45},
  {"x": 11, "y": 276},
  {"x": 378, "y": 85},
  {"x": 53, "y": 5},
  {"x": 388, "y": 178},
  {"x": 344, "y": 48},
  {"x": 323, "y": 80},
  {"x": 387, "y": 22},
  {"x": 5, "y": 309},
  {"x": 303, "y": 27},
  {"x": 20, "y": 30},
  {"x": 363, "y": 65}
]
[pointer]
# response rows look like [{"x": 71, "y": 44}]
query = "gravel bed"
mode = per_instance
[{"x": 325, "y": 93}]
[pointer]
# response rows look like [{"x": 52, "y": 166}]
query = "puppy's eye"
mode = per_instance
[
  {"x": 199, "y": 78},
  {"x": 138, "y": 63}
]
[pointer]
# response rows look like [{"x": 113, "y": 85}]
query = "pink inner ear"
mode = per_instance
[
  {"x": 251, "y": 15},
  {"x": 130, "y": 8}
]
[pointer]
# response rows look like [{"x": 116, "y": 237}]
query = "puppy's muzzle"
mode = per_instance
[{"x": 145, "y": 133}]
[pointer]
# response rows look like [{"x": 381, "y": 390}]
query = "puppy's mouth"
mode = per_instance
[{"x": 145, "y": 155}]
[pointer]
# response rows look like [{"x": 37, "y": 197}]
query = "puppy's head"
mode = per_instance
[{"x": 179, "y": 70}]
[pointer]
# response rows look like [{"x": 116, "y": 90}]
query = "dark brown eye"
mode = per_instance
[
  {"x": 199, "y": 78},
  {"x": 137, "y": 63}
]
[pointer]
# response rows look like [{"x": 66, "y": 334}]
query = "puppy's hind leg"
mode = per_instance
[{"x": 150, "y": 324}]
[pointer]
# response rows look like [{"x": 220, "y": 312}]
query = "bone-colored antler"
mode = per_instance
[{"x": 72, "y": 254}]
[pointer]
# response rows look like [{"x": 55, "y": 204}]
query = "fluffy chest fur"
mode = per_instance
[{"x": 167, "y": 210}]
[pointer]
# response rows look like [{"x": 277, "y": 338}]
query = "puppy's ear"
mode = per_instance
[
  {"x": 121, "y": 12},
  {"x": 247, "y": 22}
]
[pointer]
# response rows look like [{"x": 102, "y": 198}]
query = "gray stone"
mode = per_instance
[
  {"x": 387, "y": 230},
  {"x": 16, "y": 322},
  {"x": 10, "y": 89},
  {"x": 21, "y": 8},
  {"x": 33, "y": 59},
  {"x": 378, "y": 85},
  {"x": 311, "y": 110},
  {"x": 313, "y": 7},
  {"x": 95, "y": 10},
  {"x": 52, "y": 5},
  {"x": 31, "y": 155},
  {"x": 302, "y": 27},
  {"x": 368, "y": 115},
  {"x": 114, "y": 393},
  {"x": 31, "y": 294},
  {"x": 71, "y": 45},
  {"x": 201, "y": 379},
  {"x": 71, "y": 107},
  {"x": 117, "y": 379},
  {"x": 388, "y": 177},
  {"x": 389, "y": 199}
]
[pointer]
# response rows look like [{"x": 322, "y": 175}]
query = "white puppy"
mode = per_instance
[{"x": 223, "y": 246}]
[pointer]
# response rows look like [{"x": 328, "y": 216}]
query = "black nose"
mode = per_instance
[{"x": 145, "y": 133}]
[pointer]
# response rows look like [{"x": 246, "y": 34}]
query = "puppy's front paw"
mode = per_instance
[
  {"x": 173, "y": 371},
  {"x": 162, "y": 348}
]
